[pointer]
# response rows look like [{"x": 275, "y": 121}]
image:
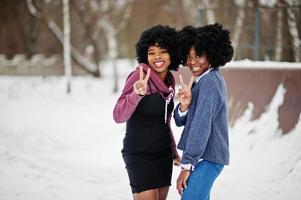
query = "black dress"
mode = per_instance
[{"x": 147, "y": 151}]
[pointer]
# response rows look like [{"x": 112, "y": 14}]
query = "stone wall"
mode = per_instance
[
  {"x": 37, "y": 65},
  {"x": 257, "y": 84}
]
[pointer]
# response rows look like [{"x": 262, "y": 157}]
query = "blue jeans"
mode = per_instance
[{"x": 201, "y": 180}]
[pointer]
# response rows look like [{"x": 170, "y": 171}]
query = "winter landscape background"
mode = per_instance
[
  {"x": 59, "y": 146},
  {"x": 67, "y": 147}
]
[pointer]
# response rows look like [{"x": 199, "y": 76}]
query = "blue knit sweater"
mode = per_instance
[{"x": 205, "y": 135}]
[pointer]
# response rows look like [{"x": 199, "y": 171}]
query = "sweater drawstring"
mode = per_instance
[{"x": 167, "y": 101}]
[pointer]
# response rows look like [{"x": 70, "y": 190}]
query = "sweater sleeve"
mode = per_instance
[
  {"x": 128, "y": 100},
  {"x": 179, "y": 121},
  {"x": 201, "y": 123}
]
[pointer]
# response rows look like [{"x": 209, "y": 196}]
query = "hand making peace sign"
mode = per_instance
[
  {"x": 140, "y": 86},
  {"x": 185, "y": 95}
]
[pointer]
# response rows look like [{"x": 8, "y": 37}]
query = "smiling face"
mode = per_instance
[
  {"x": 159, "y": 60},
  {"x": 197, "y": 64}
]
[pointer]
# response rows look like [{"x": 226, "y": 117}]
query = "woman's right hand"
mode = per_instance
[
  {"x": 140, "y": 86},
  {"x": 185, "y": 95}
]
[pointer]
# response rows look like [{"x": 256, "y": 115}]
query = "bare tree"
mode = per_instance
[
  {"x": 292, "y": 25},
  {"x": 111, "y": 30},
  {"x": 239, "y": 22},
  {"x": 279, "y": 36},
  {"x": 102, "y": 20},
  {"x": 67, "y": 52},
  {"x": 88, "y": 66},
  {"x": 204, "y": 5},
  {"x": 88, "y": 16},
  {"x": 184, "y": 12},
  {"x": 210, "y": 12}
]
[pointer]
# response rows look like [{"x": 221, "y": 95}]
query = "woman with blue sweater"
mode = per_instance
[{"x": 203, "y": 109}]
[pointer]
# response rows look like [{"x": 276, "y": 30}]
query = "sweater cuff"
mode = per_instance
[
  {"x": 189, "y": 160},
  {"x": 134, "y": 98},
  {"x": 188, "y": 166},
  {"x": 182, "y": 114}
]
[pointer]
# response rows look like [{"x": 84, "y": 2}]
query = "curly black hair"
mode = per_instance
[
  {"x": 166, "y": 37},
  {"x": 212, "y": 40},
  {"x": 186, "y": 39}
]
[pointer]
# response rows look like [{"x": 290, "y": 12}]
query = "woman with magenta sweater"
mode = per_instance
[
  {"x": 203, "y": 110},
  {"x": 146, "y": 104}
]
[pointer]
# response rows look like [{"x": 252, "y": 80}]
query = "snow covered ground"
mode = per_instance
[{"x": 55, "y": 146}]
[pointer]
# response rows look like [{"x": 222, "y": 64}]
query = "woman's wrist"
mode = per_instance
[
  {"x": 185, "y": 169},
  {"x": 183, "y": 108}
]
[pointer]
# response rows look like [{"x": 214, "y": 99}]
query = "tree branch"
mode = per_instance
[{"x": 88, "y": 66}]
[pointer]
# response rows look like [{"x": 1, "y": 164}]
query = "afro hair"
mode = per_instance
[
  {"x": 186, "y": 39},
  {"x": 165, "y": 36},
  {"x": 211, "y": 40}
]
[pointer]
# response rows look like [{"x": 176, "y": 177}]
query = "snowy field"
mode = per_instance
[{"x": 55, "y": 146}]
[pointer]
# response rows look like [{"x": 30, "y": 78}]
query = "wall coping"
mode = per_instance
[{"x": 249, "y": 64}]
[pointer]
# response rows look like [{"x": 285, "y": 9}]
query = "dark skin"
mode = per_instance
[
  {"x": 184, "y": 94},
  {"x": 198, "y": 64},
  {"x": 158, "y": 60},
  {"x": 140, "y": 86},
  {"x": 182, "y": 181},
  {"x": 185, "y": 98}
]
